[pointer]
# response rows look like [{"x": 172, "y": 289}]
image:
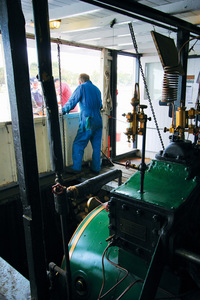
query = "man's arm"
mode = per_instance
[{"x": 73, "y": 100}]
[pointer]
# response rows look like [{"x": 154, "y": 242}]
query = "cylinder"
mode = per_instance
[{"x": 180, "y": 117}]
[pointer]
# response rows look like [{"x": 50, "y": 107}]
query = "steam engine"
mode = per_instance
[{"x": 146, "y": 244}]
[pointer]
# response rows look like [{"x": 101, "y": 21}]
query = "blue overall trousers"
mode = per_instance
[{"x": 90, "y": 124}]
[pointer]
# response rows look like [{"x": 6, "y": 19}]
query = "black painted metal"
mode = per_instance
[
  {"x": 93, "y": 185},
  {"x": 65, "y": 238},
  {"x": 114, "y": 99},
  {"x": 154, "y": 272},
  {"x": 182, "y": 37},
  {"x": 12, "y": 25},
  {"x": 62, "y": 207},
  {"x": 58, "y": 282},
  {"x": 137, "y": 80},
  {"x": 132, "y": 15},
  {"x": 143, "y": 166},
  {"x": 42, "y": 33},
  {"x": 132, "y": 8}
]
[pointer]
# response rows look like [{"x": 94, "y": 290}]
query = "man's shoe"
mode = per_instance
[
  {"x": 94, "y": 172},
  {"x": 71, "y": 171}
]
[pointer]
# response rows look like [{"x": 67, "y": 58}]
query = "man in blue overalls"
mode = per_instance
[{"x": 90, "y": 122}]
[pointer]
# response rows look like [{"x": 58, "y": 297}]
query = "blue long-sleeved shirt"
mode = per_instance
[{"x": 89, "y": 98}]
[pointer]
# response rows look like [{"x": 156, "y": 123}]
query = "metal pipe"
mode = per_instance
[
  {"x": 130, "y": 8},
  {"x": 62, "y": 208},
  {"x": 189, "y": 255},
  {"x": 12, "y": 25},
  {"x": 143, "y": 166},
  {"x": 182, "y": 37},
  {"x": 132, "y": 15},
  {"x": 113, "y": 88},
  {"x": 65, "y": 238},
  {"x": 93, "y": 185},
  {"x": 125, "y": 165},
  {"x": 57, "y": 277},
  {"x": 53, "y": 268},
  {"x": 42, "y": 33}
]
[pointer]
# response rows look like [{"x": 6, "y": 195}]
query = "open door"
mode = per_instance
[{"x": 126, "y": 66}]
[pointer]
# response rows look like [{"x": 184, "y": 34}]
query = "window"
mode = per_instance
[
  {"x": 5, "y": 105},
  {"x": 154, "y": 78},
  {"x": 74, "y": 60}
]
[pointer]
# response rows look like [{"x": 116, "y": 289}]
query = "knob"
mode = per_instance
[
  {"x": 81, "y": 286},
  {"x": 155, "y": 218},
  {"x": 142, "y": 106}
]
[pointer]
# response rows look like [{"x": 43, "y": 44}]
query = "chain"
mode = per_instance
[
  {"x": 145, "y": 83},
  {"x": 62, "y": 119}
]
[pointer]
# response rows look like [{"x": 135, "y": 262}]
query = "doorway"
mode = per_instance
[{"x": 126, "y": 70}]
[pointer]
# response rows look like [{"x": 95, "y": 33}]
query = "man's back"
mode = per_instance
[{"x": 90, "y": 102}]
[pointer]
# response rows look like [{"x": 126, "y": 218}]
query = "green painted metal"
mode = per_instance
[
  {"x": 86, "y": 249},
  {"x": 165, "y": 184},
  {"x": 86, "y": 259}
]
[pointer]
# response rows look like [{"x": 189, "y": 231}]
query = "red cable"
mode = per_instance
[
  {"x": 109, "y": 146},
  {"x": 113, "y": 287},
  {"x": 128, "y": 288},
  {"x": 105, "y": 205}
]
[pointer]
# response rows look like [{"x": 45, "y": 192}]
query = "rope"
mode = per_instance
[
  {"x": 145, "y": 83},
  {"x": 61, "y": 98}
]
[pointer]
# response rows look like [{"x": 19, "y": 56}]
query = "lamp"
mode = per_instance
[
  {"x": 52, "y": 24},
  {"x": 55, "y": 24}
]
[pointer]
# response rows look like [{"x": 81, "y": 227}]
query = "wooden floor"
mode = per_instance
[
  {"x": 81, "y": 206},
  {"x": 107, "y": 166}
]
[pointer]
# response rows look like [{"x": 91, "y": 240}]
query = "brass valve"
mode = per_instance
[
  {"x": 141, "y": 118},
  {"x": 137, "y": 118},
  {"x": 184, "y": 122}
]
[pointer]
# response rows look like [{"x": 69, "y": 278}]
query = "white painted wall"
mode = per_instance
[
  {"x": 193, "y": 69},
  {"x": 153, "y": 144},
  {"x": 8, "y": 172}
]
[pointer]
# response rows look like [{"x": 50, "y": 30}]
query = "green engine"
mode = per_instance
[{"x": 147, "y": 246}]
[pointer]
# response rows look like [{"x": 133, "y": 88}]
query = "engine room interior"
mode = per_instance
[{"x": 132, "y": 230}]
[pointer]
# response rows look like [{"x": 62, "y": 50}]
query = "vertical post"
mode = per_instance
[
  {"x": 42, "y": 32},
  {"x": 154, "y": 272},
  {"x": 143, "y": 165},
  {"x": 62, "y": 208},
  {"x": 182, "y": 37},
  {"x": 137, "y": 80},
  {"x": 12, "y": 25},
  {"x": 114, "y": 99}
]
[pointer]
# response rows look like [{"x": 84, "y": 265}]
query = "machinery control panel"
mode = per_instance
[{"x": 135, "y": 227}]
